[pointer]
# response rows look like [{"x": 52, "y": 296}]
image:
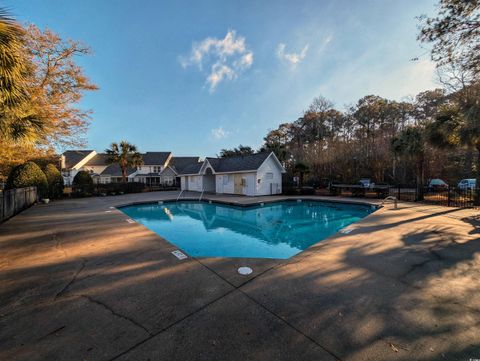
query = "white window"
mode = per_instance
[{"x": 269, "y": 175}]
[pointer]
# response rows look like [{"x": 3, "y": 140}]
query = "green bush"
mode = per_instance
[
  {"x": 82, "y": 184},
  {"x": 28, "y": 175},
  {"x": 55, "y": 181}
]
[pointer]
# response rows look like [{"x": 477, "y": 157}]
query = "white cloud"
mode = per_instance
[
  {"x": 226, "y": 57},
  {"x": 218, "y": 73},
  {"x": 219, "y": 133},
  {"x": 292, "y": 58}
]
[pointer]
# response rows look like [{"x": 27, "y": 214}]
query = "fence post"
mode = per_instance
[
  {"x": 448, "y": 196},
  {"x": 398, "y": 193},
  {"x": 476, "y": 196}
]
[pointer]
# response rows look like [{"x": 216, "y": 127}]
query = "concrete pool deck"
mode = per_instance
[{"x": 78, "y": 282}]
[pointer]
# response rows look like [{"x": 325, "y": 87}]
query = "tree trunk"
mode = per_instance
[
  {"x": 394, "y": 169},
  {"x": 476, "y": 200},
  {"x": 420, "y": 178},
  {"x": 124, "y": 174}
]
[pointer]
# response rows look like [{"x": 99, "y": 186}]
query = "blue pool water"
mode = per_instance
[{"x": 275, "y": 230}]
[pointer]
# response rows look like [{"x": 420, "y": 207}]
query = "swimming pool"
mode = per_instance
[{"x": 272, "y": 230}]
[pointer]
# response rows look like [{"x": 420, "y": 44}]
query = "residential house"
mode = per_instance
[
  {"x": 158, "y": 168},
  {"x": 251, "y": 175},
  {"x": 150, "y": 172},
  {"x": 72, "y": 161},
  {"x": 176, "y": 166}
]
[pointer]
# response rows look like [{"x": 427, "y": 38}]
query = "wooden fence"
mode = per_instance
[{"x": 13, "y": 201}]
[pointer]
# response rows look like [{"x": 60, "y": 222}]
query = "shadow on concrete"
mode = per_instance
[
  {"x": 412, "y": 299},
  {"x": 78, "y": 281}
]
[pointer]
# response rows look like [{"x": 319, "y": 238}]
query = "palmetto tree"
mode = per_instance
[
  {"x": 301, "y": 169},
  {"x": 125, "y": 155},
  {"x": 410, "y": 143},
  {"x": 16, "y": 120},
  {"x": 12, "y": 65},
  {"x": 459, "y": 125}
]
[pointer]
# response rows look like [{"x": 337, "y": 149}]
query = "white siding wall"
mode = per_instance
[
  {"x": 193, "y": 183},
  {"x": 148, "y": 168},
  {"x": 249, "y": 190},
  {"x": 105, "y": 180},
  {"x": 263, "y": 185},
  {"x": 68, "y": 180},
  {"x": 168, "y": 176},
  {"x": 225, "y": 183}
]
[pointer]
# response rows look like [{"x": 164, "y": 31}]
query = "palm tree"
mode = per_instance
[
  {"x": 12, "y": 65},
  {"x": 16, "y": 120},
  {"x": 125, "y": 155},
  {"x": 469, "y": 124},
  {"x": 410, "y": 143},
  {"x": 301, "y": 169},
  {"x": 458, "y": 124}
]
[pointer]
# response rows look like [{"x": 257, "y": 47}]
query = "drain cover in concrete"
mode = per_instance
[
  {"x": 245, "y": 270},
  {"x": 179, "y": 254}
]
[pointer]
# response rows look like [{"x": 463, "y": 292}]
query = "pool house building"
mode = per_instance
[{"x": 251, "y": 175}]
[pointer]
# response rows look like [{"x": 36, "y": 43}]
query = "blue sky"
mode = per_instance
[{"x": 193, "y": 77}]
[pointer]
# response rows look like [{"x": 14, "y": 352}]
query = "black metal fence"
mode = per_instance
[
  {"x": 450, "y": 197},
  {"x": 13, "y": 201}
]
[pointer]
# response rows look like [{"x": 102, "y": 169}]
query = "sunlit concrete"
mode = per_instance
[{"x": 79, "y": 282}]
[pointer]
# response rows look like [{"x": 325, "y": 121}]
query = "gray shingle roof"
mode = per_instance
[
  {"x": 72, "y": 157},
  {"x": 180, "y": 163},
  {"x": 238, "y": 163},
  {"x": 192, "y": 168},
  {"x": 114, "y": 170},
  {"x": 155, "y": 158},
  {"x": 231, "y": 164},
  {"x": 98, "y": 159}
]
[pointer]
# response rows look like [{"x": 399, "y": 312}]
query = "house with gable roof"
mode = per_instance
[
  {"x": 158, "y": 168},
  {"x": 251, "y": 175}
]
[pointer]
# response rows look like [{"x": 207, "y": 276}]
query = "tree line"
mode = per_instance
[
  {"x": 41, "y": 86},
  {"x": 434, "y": 135},
  {"x": 388, "y": 141}
]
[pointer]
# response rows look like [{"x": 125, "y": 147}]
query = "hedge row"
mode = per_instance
[
  {"x": 83, "y": 186},
  {"x": 49, "y": 182}
]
